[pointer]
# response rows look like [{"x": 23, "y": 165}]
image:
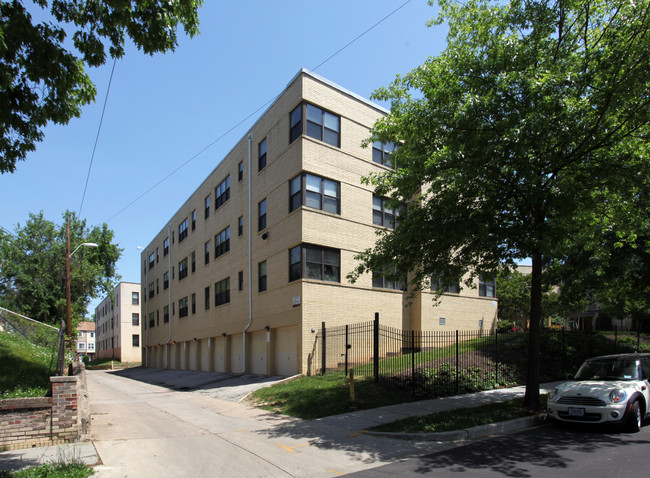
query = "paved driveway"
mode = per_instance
[{"x": 167, "y": 423}]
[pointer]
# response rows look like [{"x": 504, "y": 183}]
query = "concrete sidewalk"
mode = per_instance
[{"x": 350, "y": 423}]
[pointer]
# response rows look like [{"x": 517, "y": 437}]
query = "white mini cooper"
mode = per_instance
[{"x": 609, "y": 389}]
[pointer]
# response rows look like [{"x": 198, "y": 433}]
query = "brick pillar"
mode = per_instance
[{"x": 64, "y": 408}]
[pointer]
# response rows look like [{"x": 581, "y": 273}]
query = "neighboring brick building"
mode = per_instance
[
  {"x": 117, "y": 322},
  {"x": 85, "y": 344},
  {"x": 257, "y": 257}
]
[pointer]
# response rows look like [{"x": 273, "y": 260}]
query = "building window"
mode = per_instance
[
  {"x": 194, "y": 219},
  {"x": 261, "y": 156},
  {"x": 157, "y": 287},
  {"x": 452, "y": 287},
  {"x": 442, "y": 321},
  {"x": 152, "y": 291},
  {"x": 91, "y": 347},
  {"x": 487, "y": 287},
  {"x": 240, "y": 171},
  {"x": 166, "y": 280},
  {"x": 182, "y": 230},
  {"x": 206, "y": 214},
  {"x": 81, "y": 346},
  {"x": 222, "y": 292},
  {"x": 182, "y": 269},
  {"x": 381, "y": 153},
  {"x": 193, "y": 303},
  {"x": 261, "y": 271},
  {"x": 240, "y": 278},
  {"x": 382, "y": 280},
  {"x": 261, "y": 217},
  {"x": 314, "y": 262},
  {"x": 152, "y": 322},
  {"x": 135, "y": 319},
  {"x": 182, "y": 308},
  {"x": 316, "y": 123},
  {"x": 166, "y": 314},
  {"x": 166, "y": 247},
  {"x": 135, "y": 340},
  {"x": 207, "y": 297},
  {"x": 240, "y": 226},
  {"x": 135, "y": 298},
  {"x": 206, "y": 254},
  {"x": 222, "y": 193},
  {"x": 383, "y": 214},
  {"x": 193, "y": 262},
  {"x": 152, "y": 260},
  {"x": 222, "y": 242},
  {"x": 315, "y": 192}
]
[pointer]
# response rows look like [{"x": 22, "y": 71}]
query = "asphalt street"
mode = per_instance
[{"x": 548, "y": 451}]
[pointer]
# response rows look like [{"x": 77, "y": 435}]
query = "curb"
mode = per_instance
[{"x": 473, "y": 433}]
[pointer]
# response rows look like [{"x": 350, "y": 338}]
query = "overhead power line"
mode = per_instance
[{"x": 99, "y": 129}]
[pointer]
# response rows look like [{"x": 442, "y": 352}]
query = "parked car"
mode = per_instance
[{"x": 612, "y": 389}]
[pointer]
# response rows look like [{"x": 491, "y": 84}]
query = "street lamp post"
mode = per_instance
[{"x": 68, "y": 255}]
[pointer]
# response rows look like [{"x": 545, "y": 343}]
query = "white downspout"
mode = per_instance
[
  {"x": 250, "y": 247},
  {"x": 169, "y": 300}
]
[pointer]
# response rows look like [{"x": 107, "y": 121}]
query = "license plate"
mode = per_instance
[{"x": 576, "y": 412}]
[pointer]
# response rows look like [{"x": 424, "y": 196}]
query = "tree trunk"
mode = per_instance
[{"x": 531, "y": 399}]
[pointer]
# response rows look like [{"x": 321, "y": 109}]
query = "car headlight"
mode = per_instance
[
  {"x": 553, "y": 395},
  {"x": 617, "y": 396}
]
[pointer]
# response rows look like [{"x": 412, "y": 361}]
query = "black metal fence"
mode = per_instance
[{"x": 437, "y": 363}]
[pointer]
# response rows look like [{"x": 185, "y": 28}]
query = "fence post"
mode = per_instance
[
  {"x": 563, "y": 353},
  {"x": 347, "y": 347},
  {"x": 496, "y": 356},
  {"x": 324, "y": 354},
  {"x": 457, "y": 363},
  {"x": 413, "y": 364},
  {"x": 375, "y": 347}
]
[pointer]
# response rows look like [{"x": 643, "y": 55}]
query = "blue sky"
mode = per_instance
[{"x": 164, "y": 110}]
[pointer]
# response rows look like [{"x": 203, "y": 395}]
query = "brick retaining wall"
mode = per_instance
[{"x": 41, "y": 421}]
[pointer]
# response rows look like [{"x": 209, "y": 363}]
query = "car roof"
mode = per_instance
[{"x": 633, "y": 355}]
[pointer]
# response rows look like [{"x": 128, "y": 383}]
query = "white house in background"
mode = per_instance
[{"x": 86, "y": 340}]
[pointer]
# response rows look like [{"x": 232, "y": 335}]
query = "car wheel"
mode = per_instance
[{"x": 634, "y": 420}]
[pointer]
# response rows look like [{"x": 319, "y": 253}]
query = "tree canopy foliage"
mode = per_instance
[
  {"x": 527, "y": 137},
  {"x": 42, "y": 79},
  {"x": 32, "y": 267}
]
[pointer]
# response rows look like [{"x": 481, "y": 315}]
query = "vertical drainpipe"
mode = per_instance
[
  {"x": 169, "y": 299},
  {"x": 250, "y": 247},
  {"x": 146, "y": 307}
]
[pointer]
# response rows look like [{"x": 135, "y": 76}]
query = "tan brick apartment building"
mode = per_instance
[
  {"x": 256, "y": 259},
  {"x": 117, "y": 323}
]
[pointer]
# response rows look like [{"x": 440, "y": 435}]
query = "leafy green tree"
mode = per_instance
[
  {"x": 42, "y": 79},
  {"x": 517, "y": 141},
  {"x": 513, "y": 292},
  {"x": 32, "y": 268},
  {"x": 614, "y": 265}
]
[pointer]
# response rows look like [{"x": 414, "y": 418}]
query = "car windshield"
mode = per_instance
[{"x": 616, "y": 368}]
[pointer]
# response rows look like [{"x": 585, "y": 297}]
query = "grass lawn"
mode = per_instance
[
  {"x": 24, "y": 368},
  {"x": 51, "y": 470},
  {"x": 322, "y": 396},
  {"x": 462, "y": 418}
]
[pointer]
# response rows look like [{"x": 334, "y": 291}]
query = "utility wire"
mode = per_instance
[
  {"x": 245, "y": 119},
  {"x": 99, "y": 129}
]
